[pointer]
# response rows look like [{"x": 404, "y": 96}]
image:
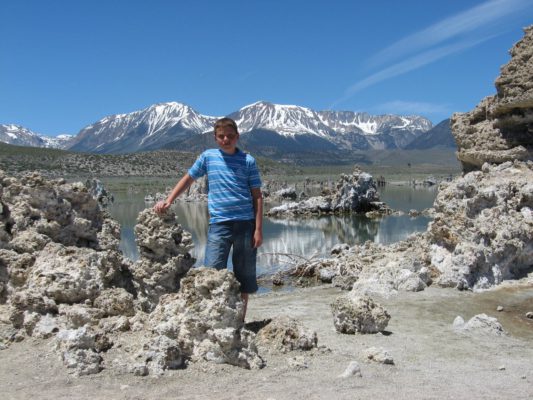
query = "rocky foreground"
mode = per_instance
[{"x": 63, "y": 279}]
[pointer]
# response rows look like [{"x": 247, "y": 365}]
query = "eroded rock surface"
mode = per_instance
[
  {"x": 204, "y": 321},
  {"x": 164, "y": 250},
  {"x": 482, "y": 233},
  {"x": 500, "y": 128}
]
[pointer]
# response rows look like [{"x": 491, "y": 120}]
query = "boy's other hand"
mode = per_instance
[
  {"x": 161, "y": 206},
  {"x": 257, "y": 239}
]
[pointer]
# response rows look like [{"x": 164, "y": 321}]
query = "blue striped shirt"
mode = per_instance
[{"x": 230, "y": 178}]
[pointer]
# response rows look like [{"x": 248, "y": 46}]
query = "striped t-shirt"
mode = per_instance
[{"x": 230, "y": 178}]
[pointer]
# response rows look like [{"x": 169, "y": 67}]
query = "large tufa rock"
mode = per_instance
[
  {"x": 203, "y": 321},
  {"x": 353, "y": 313},
  {"x": 159, "y": 237},
  {"x": 482, "y": 233},
  {"x": 500, "y": 129},
  {"x": 164, "y": 249},
  {"x": 355, "y": 193}
]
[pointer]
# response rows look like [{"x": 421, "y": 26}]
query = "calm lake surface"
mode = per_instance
[{"x": 289, "y": 241}]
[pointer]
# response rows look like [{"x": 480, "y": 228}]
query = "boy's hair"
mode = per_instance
[{"x": 223, "y": 122}]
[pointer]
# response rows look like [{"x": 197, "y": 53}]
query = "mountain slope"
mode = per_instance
[{"x": 438, "y": 136}]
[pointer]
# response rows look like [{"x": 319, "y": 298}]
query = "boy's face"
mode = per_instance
[{"x": 227, "y": 138}]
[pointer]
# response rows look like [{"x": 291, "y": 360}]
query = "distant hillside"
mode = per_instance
[
  {"x": 438, "y": 136},
  {"x": 60, "y": 163}
]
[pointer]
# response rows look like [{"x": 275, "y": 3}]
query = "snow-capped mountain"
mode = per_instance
[
  {"x": 266, "y": 129},
  {"x": 291, "y": 120},
  {"x": 20, "y": 136},
  {"x": 148, "y": 129},
  {"x": 344, "y": 130}
]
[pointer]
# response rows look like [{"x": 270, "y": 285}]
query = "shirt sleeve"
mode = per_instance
[
  {"x": 199, "y": 167},
  {"x": 254, "y": 180}
]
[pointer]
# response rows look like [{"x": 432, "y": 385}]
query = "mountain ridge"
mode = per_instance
[{"x": 266, "y": 128}]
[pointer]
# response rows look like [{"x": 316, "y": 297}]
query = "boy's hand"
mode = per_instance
[
  {"x": 161, "y": 207},
  {"x": 257, "y": 240}
]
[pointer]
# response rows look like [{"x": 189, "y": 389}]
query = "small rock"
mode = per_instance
[
  {"x": 529, "y": 314},
  {"x": 277, "y": 279},
  {"x": 458, "y": 322},
  {"x": 480, "y": 324},
  {"x": 326, "y": 275},
  {"x": 353, "y": 369},
  {"x": 139, "y": 370},
  {"x": 499, "y": 308},
  {"x": 353, "y": 313},
  {"x": 298, "y": 363},
  {"x": 340, "y": 248},
  {"x": 501, "y": 367},
  {"x": 378, "y": 355}
]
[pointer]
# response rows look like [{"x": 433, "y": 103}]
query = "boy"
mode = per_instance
[{"x": 235, "y": 205}]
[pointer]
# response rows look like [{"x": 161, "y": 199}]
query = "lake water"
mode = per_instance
[{"x": 287, "y": 241}]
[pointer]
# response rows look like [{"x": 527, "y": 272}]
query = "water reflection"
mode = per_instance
[
  {"x": 301, "y": 238},
  {"x": 405, "y": 198}
]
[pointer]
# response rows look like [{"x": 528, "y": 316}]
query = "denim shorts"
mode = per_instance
[{"x": 220, "y": 238}]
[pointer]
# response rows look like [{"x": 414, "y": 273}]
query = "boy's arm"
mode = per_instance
[
  {"x": 181, "y": 186},
  {"x": 257, "y": 198}
]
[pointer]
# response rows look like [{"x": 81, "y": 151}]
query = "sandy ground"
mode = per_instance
[{"x": 431, "y": 361}]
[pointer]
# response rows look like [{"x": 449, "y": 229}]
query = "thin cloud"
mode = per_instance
[
  {"x": 466, "y": 22},
  {"x": 467, "y": 29},
  {"x": 408, "y": 65}
]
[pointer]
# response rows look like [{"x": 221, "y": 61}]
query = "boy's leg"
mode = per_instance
[
  {"x": 244, "y": 259},
  {"x": 219, "y": 238}
]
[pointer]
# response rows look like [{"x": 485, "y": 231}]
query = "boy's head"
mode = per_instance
[
  {"x": 226, "y": 134},
  {"x": 226, "y": 122}
]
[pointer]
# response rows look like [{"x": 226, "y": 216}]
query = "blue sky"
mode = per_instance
[{"x": 66, "y": 64}]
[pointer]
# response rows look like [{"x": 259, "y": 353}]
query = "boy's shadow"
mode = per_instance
[{"x": 256, "y": 326}]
